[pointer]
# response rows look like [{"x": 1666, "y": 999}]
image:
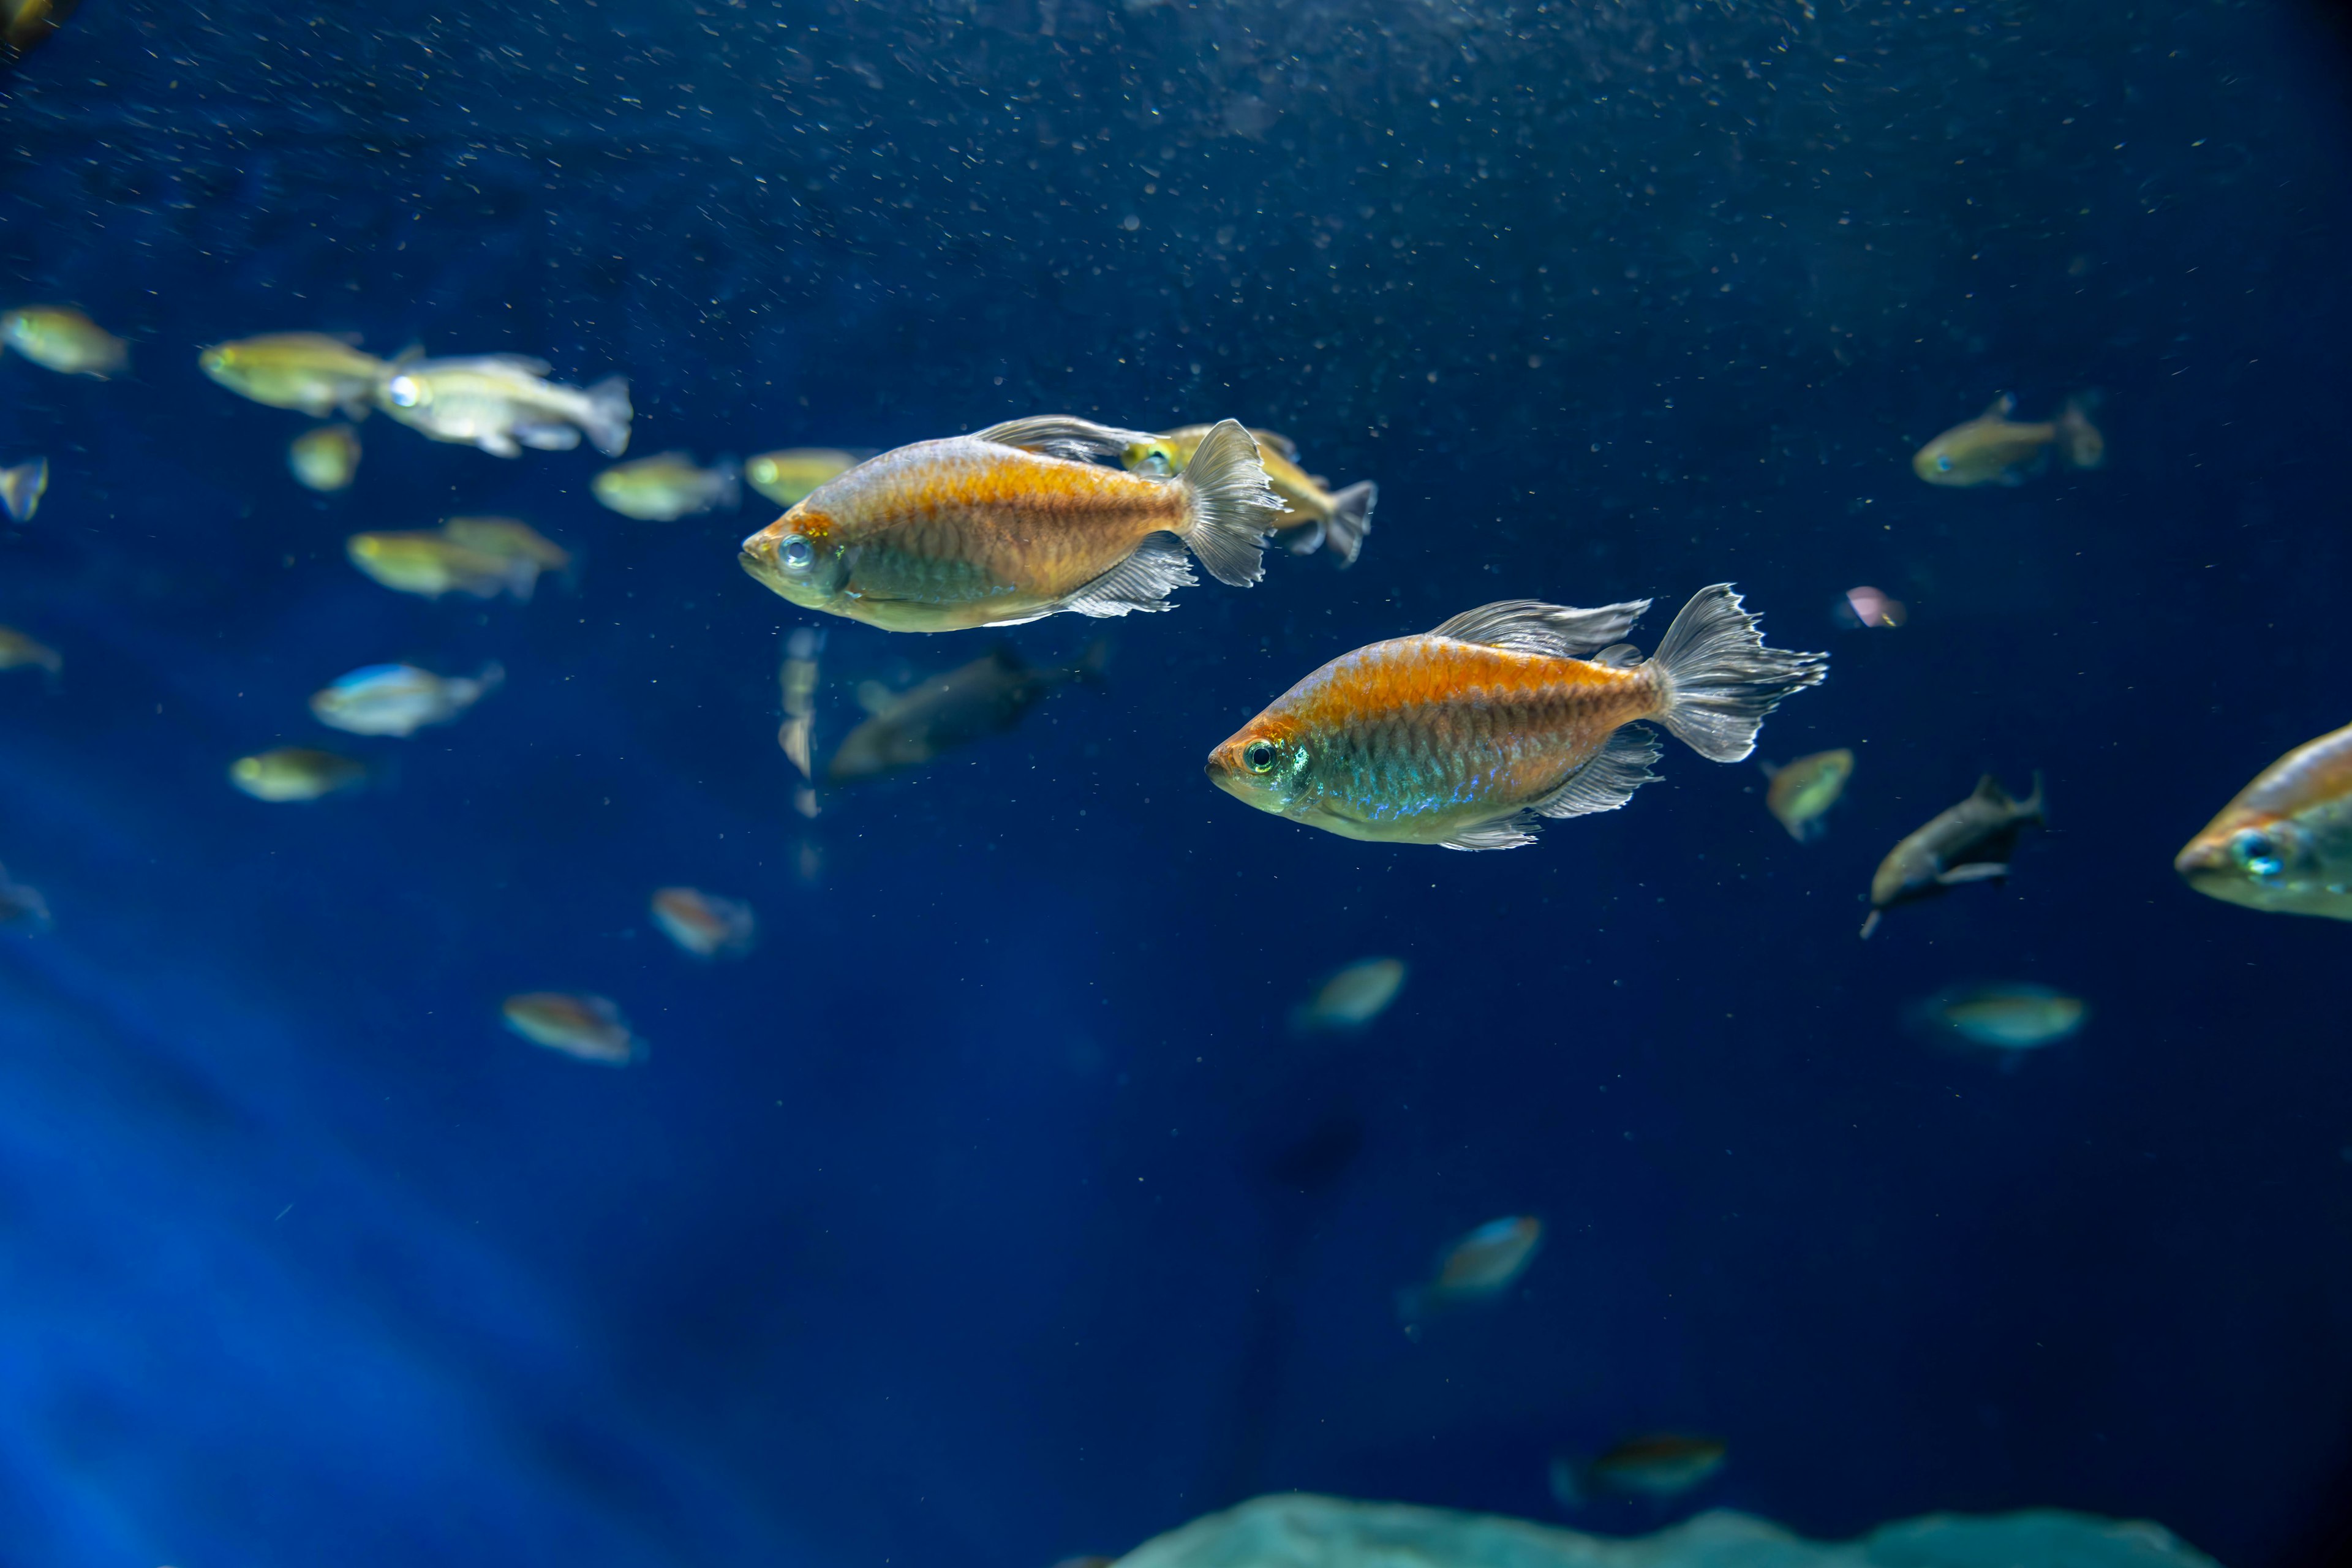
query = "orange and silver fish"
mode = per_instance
[
  {"x": 1312, "y": 512},
  {"x": 2284, "y": 844},
  {"x": 1466, "y": 735},
  {"x": 704, "y": 924},
  {"x": 1014, "y": 523},
  {"x": 590, "y": 1028}
]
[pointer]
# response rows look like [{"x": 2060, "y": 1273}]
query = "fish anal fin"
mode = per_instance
[
  {"x": 1531, "y": 626},
  {"x": 1141, "y": 582},
  {"x": 1610, "y": 778},
  {"x": 1974, "y": 872},
  {"x": 1508, "y": 833}
]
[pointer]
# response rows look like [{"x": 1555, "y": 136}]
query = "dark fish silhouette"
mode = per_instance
[
  {"x": 987, "y": 697},
  {"x": 1970, "y": 842}
]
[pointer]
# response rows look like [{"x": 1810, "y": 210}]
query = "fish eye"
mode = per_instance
[
  {"x": 1943, "y": 463},
  {"x": 796, "y": 551},
  {"x": 2256, "y": 853},
  {"x": 1258, "y": 756},
  {"x": 1155, "y": 463},
  {"x": 404, "y": 391}
]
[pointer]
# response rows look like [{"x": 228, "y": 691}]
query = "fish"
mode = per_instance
[
  {"x": 987, "y": 697},
  {"x": 2284, "y": 845},
  {"x": 588, "y": 1027},
  {"x": 704, "y": 924},
  {"x": 429, "y": 563},
  {"x": 18, "y": 651},
  {"x": 1014, "y": 523},
  {"x": 1970, "y": 842},
  {"x": 503, "y": 403},
  {"x": 508, "y": 538},
  {"x": 2009, "y": 1018},
  {"x": 797, "y": 677},
  {"x": 666, "y": 487},
  {"x": 789, "y": 477},
  {"x": 1469, "y": 734},
  {"x": 1311, "y": 515},
  {"x": 62, "y": 339},
  {"x": 399, "y": 699},
  {"x": 22, "y": 488},
  {"x": 1867, "y": 607},
  {"x": 1657, "y": 1465},
  {"x": 326, "y": 459},
  {"x": 22, "y": 905},
  {"x": 294, "y": 772},
  {"x": 317, "y": 374},
  {"x": 1478, "y": 1267},
  {"x": 1351, "y": 999},
  {"x": 1992, "y": 448},
  {"x": 24, "y": 25},
  {"x": 1802, "y": 791}
]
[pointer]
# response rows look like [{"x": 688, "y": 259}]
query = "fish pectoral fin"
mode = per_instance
[
  {"x": 1610, "y": 778},
  {"x": 1507, "y": 834},
  {"x": 1062, "y": 436},
  {"x": 1976, "y": 871},
  {"x": 2000, "y": 407},
  {"x": 1142, "y": 582},
  {"x": 1531, "y": 626},
  {"x": 547, "y": 437}
]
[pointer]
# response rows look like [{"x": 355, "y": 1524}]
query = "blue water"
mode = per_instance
[{"x": 989, "y": 1213}]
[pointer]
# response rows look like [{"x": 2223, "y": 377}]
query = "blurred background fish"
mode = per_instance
[
  {"x": 22, "y": 488},
  {"x": 503, "y": 403},
  {"x": 62, "y": 339},
  {"x": 1311, "y": 514},
  {"x": 2283, "y": 844},
  {"x": 294, "y": 773},
  {"x": 704, "y": 924},
  {"x": 666, "y": 487},
  {"x": 317, "y": 374},
  {"x": 18, "y": 651},
  {"x": 1802, "y": 791},
  {"x": 429, "y": 563},
  {"x": 2004, "y": 1016},
  {"x": 987, "y": 697},
  {"x": 24, "y": 25},
  {"x": 789, "y": 477},
  {"x": 1867, "y": 607},
  {"x": 797, "y": 677},
  {"x": 1970, "y": 842},
  {"x": 22, "y": 908},
  {"x": 1351, "y": 999},
  {"x": 1655, "y": 1464},
  {"x": 1992, "y": 448},
  {"x": 1480, "y": 1267},
  {"x": 324, "y": 460},
  {"x": 587, "y": 1027},
  {"x": 399, "y": 699}
]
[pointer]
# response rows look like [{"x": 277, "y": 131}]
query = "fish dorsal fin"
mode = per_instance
[
  {"x": 1988, "y": 791},
  {"x": 1619, "y": 655},
  {"x": 1284, "y": 446},
  {"x": 1531, "y": 626},
  {"x": 1062, "y": 436},
  {"x": 2000, "y": 407}
]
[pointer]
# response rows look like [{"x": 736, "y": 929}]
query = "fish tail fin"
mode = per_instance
[
  {"x": 1566, "y": 1480},
  {"x": 492, "y": 676},
  {"x": 2079, "y": 438},
  {"x": 1870, "y": 922},
  {"x": 1092, "y": 663},
  {"x": 1717, "y": 681},
  {"x": 609, "y": 414},
  {"x": 730, "y": 482},
  {"x": 1351, "y": 519},
  {"x": 1227, "y": 505}
]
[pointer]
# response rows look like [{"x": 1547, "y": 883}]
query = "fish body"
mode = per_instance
[
  {"x": 1351, "y": 999},
  {"x": 21, "y": 905},
  {"x": 1992, "y": 448},
  {"x": 503, "y": 403},
  {"x": 987, "y": 697},
  {"x": 792, "y": 475},
  {"x": 1869, "y": 607},
  {"x": 590, "y": 1028},
  {"x": 1970, "y": 842},
  {"x": 1656, "y": 1465},
  {"x": 18, "y": 651},
  {"x": 1013, "y": 524},
  {"x": 2284, "y": 844},
  {"x": 1478, "y": 1267},
  {"x": 1311, "y": 515},
  {"x": 2009, "y": 1018},
  {"x": 1802, "y": 791},
  {"x": 22, "y": 488},
  {"x": 316, "y": 373},
  {"x": 399, "y": 699},
  {"x": 1467, "y": 735},
  {"x": 704, "y": 924},
  {"x": 429, "y": 563},
  {"x": 666, "y": 487},
  {"x": 63, "y": 339},
  {"x": 294, "y": 773},
  {"x": 325, "y": 459}
]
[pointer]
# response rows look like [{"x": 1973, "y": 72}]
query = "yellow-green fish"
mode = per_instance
[
  {"x": 1311, "y": 515},
  {"x": 326, "y": 459},
  {"x": 1803, "y": 790},
  {"x": 18, "y": 651},
  {"x": 1992, "y": 448},
  {"x": 22, "y": 488},
  {"x": 1351, "y": 999},
  {"x": 1654, "y": 1465},
  {"x": 2009, "y": 1018},
  {"x": 26, "y": 24},
  {"x": 1970, "y": 842},
  {"x": 984, "y": 697},
  {"x": 666, "y": 487},
  {"x": 590, "y": 1028},
  {"x": 1478, "y": 1268},
  {"x": 704, "y": 924},
  {"x": 503, "y": 403},
  {"x": 62, "y": 339},
  {"x": 294, "y": 773},
  {"x": 399, "y": 699},
  {"x": 1013, "y": 523},
  {"x": 315, "y": 373},
  {"x": 429, "y": 563},
  {"x": 789, "y": 477},
  {"x": 2284, "y": 844},
  {"x": 508, "y": 538}
]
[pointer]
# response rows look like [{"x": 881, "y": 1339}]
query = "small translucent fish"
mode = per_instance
[
  {"x": 316, "y": 373},
  {"x": 666, "y": 487},
  {"x": 1468, "y": 735},
  {"x": 22, "y": 908},
  {"x": 18, "y": 651},
  {"x": 1480, "y": 1267},
  {"x": 294, "y": 773},
  {"x": 1352, "y": 997},
  {"x": 399, "y": 699},
  {"x": 22, "y": 488},
  {"x": 1311, "y": 514},
  {"x": 704, "y": 924},
  {"x": 63, "y": 339},
  {"x": 324, "y": 460},
  {"x": 2284, "y": 844},
  {"x": 588, "y": 1027},
  {"x": 2011, "y": 1017},
  {"x": 1802, "y": 791},
  {"x": 503, "y": 403},
  {"x": 987, "y": 697},
  {"x": 429, "y": 563},
  {"x": 1657, "y": 1465},
  {"x": 1867, "y": 607},
  {"x": 1993, "y": 449},
  {"x": 508, "y": 538},
  {"x": 789, "y": 477},
  {"x": 1970, "y": 842},
  {"x": 797, "y": 734},
  {"x": 1014, "y": 523}
]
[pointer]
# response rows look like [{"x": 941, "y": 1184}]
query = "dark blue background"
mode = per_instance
[{"x": 988, "y": 1213}]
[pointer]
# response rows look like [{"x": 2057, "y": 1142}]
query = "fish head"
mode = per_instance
[
  {"x": 1158, "y": 457},
  {"x": 800, "y": 556},
  {"x": 1268, "y": 763},
  {"x": 1940, "y": 461},
  {"x": 2244, "y": 858}
]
